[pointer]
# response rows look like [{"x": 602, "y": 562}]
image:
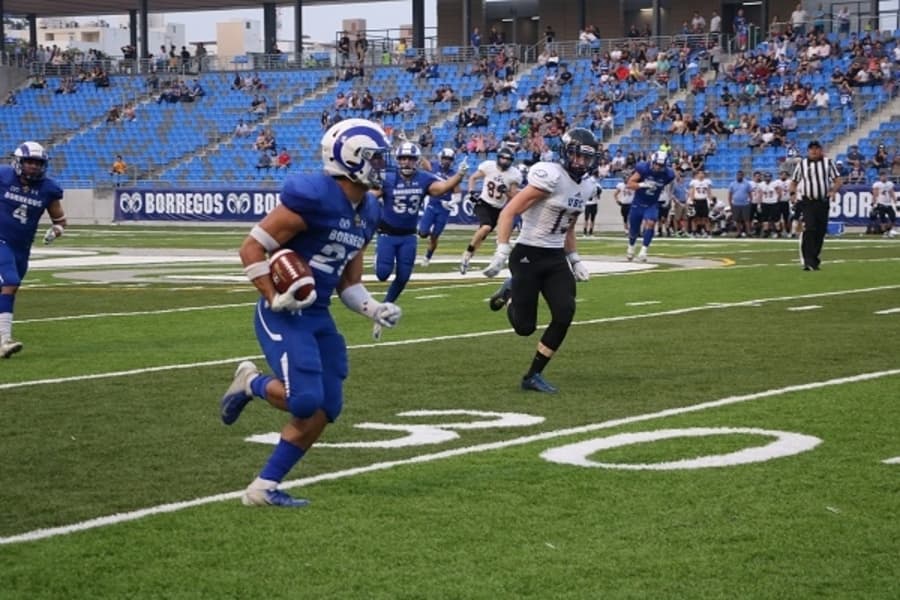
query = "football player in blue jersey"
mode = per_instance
[
  {"x": 647, "y": 181},
  {"x": 25, "y": 193},
  {"x": 328, "y": 219},
  {"x": 437, "y": 211},
  {"x": 402, "y": 195}
]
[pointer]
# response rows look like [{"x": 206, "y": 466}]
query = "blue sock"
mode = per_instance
[
  {"x": 6, "y": 302},
  {"x": 648, "y": 236},
  {"x": 283, "y": 459},
  {"x": 258, "y": 385},
  {"x": 429, "y": 254}
]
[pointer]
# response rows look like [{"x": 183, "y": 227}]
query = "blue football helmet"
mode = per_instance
[{"x": 357, "y": 149}]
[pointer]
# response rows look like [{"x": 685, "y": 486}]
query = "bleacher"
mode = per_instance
[{"x": 187, "y": 143}]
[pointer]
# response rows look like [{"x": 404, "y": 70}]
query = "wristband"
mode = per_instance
[
  {"x": 264, "y": 238},
  {"x": 257, "y": 269}
]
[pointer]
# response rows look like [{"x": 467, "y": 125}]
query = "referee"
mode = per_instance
[{"x": 816, "y": 181}]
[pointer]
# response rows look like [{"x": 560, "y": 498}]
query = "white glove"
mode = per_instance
[
  {"x": 579, "y": 269},
  {"x": 648, "y": 185},
  {"x": 498, "y": 262},
  {"x": 463, "y": 168},
  {"x": 287, "y": 301},
  {"x": 386, "y": 314},
  {"x": 54, "y": 232},
  {"x": 448, "y": 204}
]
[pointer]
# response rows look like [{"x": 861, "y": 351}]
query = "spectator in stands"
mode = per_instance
[
  {"x": 895, "y": 167},
  {"x": 715, "y": 26},
  {"x": 426, "y": 139},
  {"x": 503, "y": 105},
  {"x": 118, "y": 170},
  {"x": 259, "y": 106},
  {"x": 67, "y": 85},
  {"x": 264, "y": 162},
  {"x": 114, "y": 114},
  {"x": 709, "y": 146},
  {"x": 698, "y": 84},
  {"x": 343, "y": 48},
  {"x": 38, "y": 82},
  {"x": 196, "y": 90},
  {"x": 11, "y": 99},
  {"x": 843, "y": 19},
  {"x": 586, "y": 40},
  {"x": 842, "y": 169},
  {"x": 283, "y": 161},
  {"x": 408, "y": 105},
  {"x": 128, "y": 112},
  {"x": 475, "y": 41},
  {"x": 845, "y": 95},
  {"x": 361, "y": 46},
  {"x": 855, "y": 158},
  {"x": 790, "y": 123},
  {"x": 821, "y": 100},
  {"x": 881, "y": 160},
  {"x": 244, "y": 130},
  {"x": 857, "y": 175}
]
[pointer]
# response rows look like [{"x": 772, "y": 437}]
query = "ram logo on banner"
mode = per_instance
[{"x": 134, "y": 204}]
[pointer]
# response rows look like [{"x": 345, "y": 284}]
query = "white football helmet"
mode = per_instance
[
  {"x": 30, "y": 161},
  {"x": 358, "y": 150},
  {"x": 411, "y": 151},
  {"x": 658, "y": 160}
]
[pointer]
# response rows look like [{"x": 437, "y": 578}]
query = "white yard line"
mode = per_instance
[
  {"x": 39, "y": 534},
  {"x": 804, "y": 308},
  {"x": 889, "y": 311},
  {"x": 458, "y": 336}
]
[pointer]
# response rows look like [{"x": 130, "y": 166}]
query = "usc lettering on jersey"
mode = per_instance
[
  {"x": 545, "y": 223},
  {"x": 496, "y": 185}
]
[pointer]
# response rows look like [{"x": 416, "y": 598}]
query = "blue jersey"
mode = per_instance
[
  {"x": 336, "y": 232},
  {"x": 442, "y": 175},
  {"x": 21, "y": 208},
  {"x": 402, "y": 199},
  {"x": 644, "y": 197}
]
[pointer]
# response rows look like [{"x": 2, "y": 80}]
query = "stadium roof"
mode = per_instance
[{"x": 90, "y": 8}]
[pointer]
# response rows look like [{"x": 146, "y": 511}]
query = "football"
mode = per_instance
[{"x": 288, "y": 267}]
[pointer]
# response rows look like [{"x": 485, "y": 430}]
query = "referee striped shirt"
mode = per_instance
[{"x": 815, "y": 178}]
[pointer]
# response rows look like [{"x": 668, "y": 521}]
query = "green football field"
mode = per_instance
[{"x": 727, "y": 427}]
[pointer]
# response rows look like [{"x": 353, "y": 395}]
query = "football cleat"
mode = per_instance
[
  {"x": 464, "y": 265},
  {"x": 536, "y": 383},
  {"x": 499, "y": 298},
  {"x": 424, "y": 261},
  {"x": 238, "y": 393},
  {"x": 10, "y": 347},
  {"x": 273, "y": 497},
  {"x": 629, "y": 253},
  {"x": 642, "y": 255}
]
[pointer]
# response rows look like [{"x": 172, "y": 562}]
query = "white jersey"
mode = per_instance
[
  {"x": 883, "y": 193},
  {"x": 756, "y": 191},
  {"x": 497, "y": 183},
  {"x": 702, "y": 188},
  {"x": 595, "y": 196},
  {"x": 769, "y": 192},
  {"x": 626, "y": 195},
  {"x": 544, "y": 223},
  {"x": 784, "y": 190}
]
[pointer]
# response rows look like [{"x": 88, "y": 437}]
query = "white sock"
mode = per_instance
[
  {"x": 5, "y": 326},
  {"x": 263, "y": 484}
]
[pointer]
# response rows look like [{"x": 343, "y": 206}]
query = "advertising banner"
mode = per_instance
[{"x": 221, "y": 205}]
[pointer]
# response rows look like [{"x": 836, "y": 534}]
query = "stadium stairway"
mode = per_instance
[{"x": 871, "y": 123}]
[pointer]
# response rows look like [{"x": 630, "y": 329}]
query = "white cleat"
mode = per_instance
[
  {"x": 464, "y": 265},
  {"x": 424, "y": 261},
  {"x": 629, "y": 254},
  {"x": 9, "y": 347},
  {"x": 376, "y": 332},
  {"x": 642, "y": 256}
]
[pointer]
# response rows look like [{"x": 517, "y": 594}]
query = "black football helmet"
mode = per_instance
[
  {"x": 578, "y": 154},
  {"x": 505, "y": 158}
]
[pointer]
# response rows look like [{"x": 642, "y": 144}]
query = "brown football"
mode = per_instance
[{"x": 288, "y": 267}]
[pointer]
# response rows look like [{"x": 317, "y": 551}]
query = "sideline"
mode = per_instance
[
  {"x": 458, "y": 336},
  {"x": 39, "y": 534}
]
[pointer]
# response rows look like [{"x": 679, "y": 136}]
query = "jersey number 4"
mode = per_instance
[{"x": 21, "y": 213}]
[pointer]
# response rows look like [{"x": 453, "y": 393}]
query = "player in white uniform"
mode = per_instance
[
  {"x": 624, "y": 196},
  {"x": 500, "y": 184},
  {"x": 545, "y": 258},
  {"x": 769, "y": 193},
  {"x": 700, "y": 191},
  {"x": 590, "y": 205},
  {"x": 783, "y": 185},
  {"x": 884, "y": 197}
]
